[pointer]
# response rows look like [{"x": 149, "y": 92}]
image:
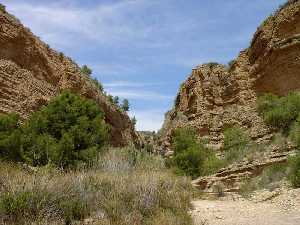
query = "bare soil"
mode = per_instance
[{"x": 282, "y": 209}]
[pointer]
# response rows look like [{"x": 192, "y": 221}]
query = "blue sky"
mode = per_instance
[{"x": 143, "y": 49}]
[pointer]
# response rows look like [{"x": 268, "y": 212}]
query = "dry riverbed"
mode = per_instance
[{"x": 268, "y": 208}]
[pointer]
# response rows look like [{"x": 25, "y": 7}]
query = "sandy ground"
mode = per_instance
[{"x": 282, "y": 210}]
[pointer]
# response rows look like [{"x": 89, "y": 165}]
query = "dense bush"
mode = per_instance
[
  {"x": 69, "y": 130},
  {"x": 279, "y": 112},
  {"x": 294, "y": 175},
  {"x": 295, "y": 132},
  {"x": 2, "y": 8},
  {"x": 10, "y": 137},
  {"x": 191, "y": 157},
  {"x": 124, "y": 187}
]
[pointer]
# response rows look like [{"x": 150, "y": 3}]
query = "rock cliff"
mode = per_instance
[
  {"x": 216, "y": 96},
  {"x": 31, "y": 73}
]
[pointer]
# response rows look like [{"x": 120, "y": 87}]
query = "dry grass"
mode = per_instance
[{"x": 124, "y": 187}]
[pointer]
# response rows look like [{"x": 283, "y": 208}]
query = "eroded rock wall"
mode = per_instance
[
  {"x": 31, "y": 73},
  {"x": 216, "y": 96}
]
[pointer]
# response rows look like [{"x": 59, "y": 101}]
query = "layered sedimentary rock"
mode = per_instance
[
  {"x": 31, "y": 73},
  {"x": 215, "y": 96},
  {"x": 234, "y": 175}
]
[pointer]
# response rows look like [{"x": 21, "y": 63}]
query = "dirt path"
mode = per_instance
[{"x": 282, "y": 211}]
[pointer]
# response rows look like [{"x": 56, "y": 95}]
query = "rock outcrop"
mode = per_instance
[
  {"x": 216, "y": 96},
  {"x": 234, "y": 175},
  {"x": 31, "y": 73}
]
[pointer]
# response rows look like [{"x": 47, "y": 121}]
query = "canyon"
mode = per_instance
[{"x": 31, "y": 73}]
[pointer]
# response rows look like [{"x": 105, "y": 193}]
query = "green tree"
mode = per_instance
[
  {"x": 110, "y": 98},
  {"x": 116, "y": 100},
  {"x": 2, "y": 8},
  {"x": 86, "y": 70},
  {"x": 133, "y": 121},
  {"x": 98, "y": 84},
  {"x": 125, "y": 105},
  {"x": 68, "y": 131},
  {"x": 191, "y": 157},
  {"x": 10, "y": 137}
]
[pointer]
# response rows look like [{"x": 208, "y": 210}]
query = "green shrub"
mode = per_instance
[
  {"x": 279, "y": 112},
  {"x": 10, "y": 137},
  {"x": 23, "y": 205},
  {"x": 116, "y": 100},
  {"x": 2, "y": 8},
  {"x": 125, "y": 105},
  {"x": 235, "y": 143},
  {"x": 68, "y": 131},
  {"x": 212, "y": 164},
  {"x": 235, "y": 138},
  {"x": 61, "y": 56},
  {"x": 73, "y": 209},
  {"x": 98, "y": 84},
  {"x": 294, "y": 175},
  {"x": 284, "y": 113},
  {"x": 110, "y": 98},
  {"x": 190, "y": 161},
  {"x": 86, "y": 70},
  {"x": 191, "y": 157},
  {"x": 295, "y": 132}
]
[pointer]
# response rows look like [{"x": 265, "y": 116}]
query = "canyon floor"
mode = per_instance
[{"x": 269, "y": 208}]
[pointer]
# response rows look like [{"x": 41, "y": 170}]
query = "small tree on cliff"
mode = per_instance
[
  {"x": 133, "y": 121},
  {"x": 2, "y": 8},
  {"x": 125, "y": 105},
  {"x": 116, "y": 100},
  {"x": 86, "y": 70}
]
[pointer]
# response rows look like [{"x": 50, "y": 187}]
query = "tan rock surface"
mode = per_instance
[
  {"x": 216, "y": 96},
  {"x": 31, "y": 73},
  {"x": 234, "y": 175}
]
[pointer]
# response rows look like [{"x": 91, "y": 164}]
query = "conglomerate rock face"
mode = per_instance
[
  {"x": 31, "y": 73},
  {"x": 215, "y": 96}
]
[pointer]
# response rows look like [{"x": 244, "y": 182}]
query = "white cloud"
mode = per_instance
[
  {"x": 150, "y": 120},
  {"x": 65, "y": 24}
]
